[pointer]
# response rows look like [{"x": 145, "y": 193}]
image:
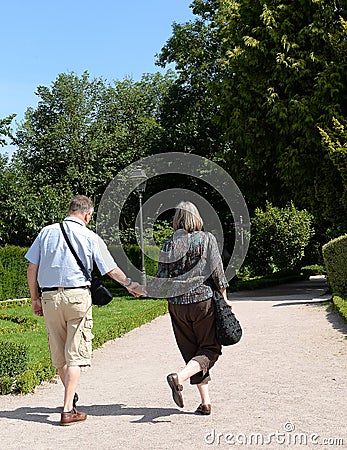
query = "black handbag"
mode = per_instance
[
  {"x": 228, "y": 328},
  {"x": 101, "y": 296}
]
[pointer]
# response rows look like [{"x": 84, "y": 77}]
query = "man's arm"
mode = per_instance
[
  {"x": 34, "y": 289},
  {"x": 134, "y": 288}
]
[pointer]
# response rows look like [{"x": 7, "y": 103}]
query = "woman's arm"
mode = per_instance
[
  {"x": 223, "y": 291},
  {"x": 216, "y": 266}
]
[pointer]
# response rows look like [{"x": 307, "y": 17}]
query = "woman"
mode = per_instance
[{"x": 188, "y": 262}]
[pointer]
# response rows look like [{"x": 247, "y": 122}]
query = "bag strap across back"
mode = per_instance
[{"x": 73, "y": 251}]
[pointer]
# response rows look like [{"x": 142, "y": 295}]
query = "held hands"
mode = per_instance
[
  {"x": 136, "y": 289},
  {"x": 37, "y": 307}
]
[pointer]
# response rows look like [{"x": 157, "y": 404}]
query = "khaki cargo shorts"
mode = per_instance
[{"x": 69, "y": 323}]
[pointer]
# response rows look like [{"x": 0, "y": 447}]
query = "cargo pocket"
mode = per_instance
[{"x": 85, "y": 347}]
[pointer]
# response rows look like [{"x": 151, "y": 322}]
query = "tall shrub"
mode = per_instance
[
  {"x": 278, "y": 238},
  {"x": 13, "y": 266},
  {"x": 335, "y": 257}
]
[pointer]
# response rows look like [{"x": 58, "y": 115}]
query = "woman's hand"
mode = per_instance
[
  {"x": 228, "y": 302},
  {"x": 223, "y": 291}
]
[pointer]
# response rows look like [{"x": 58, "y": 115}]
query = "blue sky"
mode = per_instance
[{"x": 108, "y": 38}]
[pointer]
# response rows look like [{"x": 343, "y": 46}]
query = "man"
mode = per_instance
[{"x": 65, "y": 301}]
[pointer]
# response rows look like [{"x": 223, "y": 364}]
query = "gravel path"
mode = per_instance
[{"x": 283, "y": 386}]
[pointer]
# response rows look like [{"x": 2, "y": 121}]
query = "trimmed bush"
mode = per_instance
[
  {"x": 279, "y": 238},
  {"x": 26, "y": 381},
  {"x": 24, "y": 323},
  {"x": 335, "y": 258},
  {"x": 13, "y": 358},
  {"x": 341, "y": 306},
  {"x": 6, "y": 384},
  {"x": 314, "y": 269},
  {"x": 13, "y": 271}
]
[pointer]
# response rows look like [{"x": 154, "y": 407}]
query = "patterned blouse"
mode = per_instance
[{"x": 186, "y": 261}]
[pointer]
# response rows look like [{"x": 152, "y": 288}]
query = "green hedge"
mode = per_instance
[
  {"x": 335, "y": 260},
  {"x": 13, "y": 358},
  {"x": 13, "y": 271},
  {"x": 341, "y": 305}
]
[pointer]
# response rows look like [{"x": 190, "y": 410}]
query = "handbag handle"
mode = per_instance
[{"x": 73, "y": 251}]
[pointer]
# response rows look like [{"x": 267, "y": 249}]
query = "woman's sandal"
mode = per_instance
[{"x": 176, "y": 389}]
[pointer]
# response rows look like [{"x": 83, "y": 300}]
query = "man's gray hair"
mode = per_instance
[{"x": 80, "y": 204}]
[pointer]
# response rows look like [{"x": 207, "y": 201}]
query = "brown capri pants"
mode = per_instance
[{"x": 195, "y": 332}]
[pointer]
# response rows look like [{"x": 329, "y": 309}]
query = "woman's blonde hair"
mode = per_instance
[{"x": 187, "y": 217}]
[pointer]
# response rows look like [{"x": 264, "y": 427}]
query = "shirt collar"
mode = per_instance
[{"x": 74, "y": 219}]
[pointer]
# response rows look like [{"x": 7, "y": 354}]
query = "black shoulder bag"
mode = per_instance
[
  {"x": 100, "y": 294},
  {"x": 228, "y": 328}
]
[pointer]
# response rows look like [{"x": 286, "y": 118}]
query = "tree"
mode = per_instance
[
  {"x": 335, "y": 143},
  {"x": 274, "y": 75},
  {"x": 334, "y": 135},
  {"x": 26, "y": 207},
  {"x": 84, "y": 131},
  {"x": 5, "y": 128}
]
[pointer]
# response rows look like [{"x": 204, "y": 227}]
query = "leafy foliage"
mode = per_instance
[
  {"x": 13, "y": 283},
  {"x": 279, "y": 238},
  {"x": 341, "y": 305},
  {"x": 335, "y": 255},
  {"x": 335, "y": 144},
  {"x": 5, "y": 129},
  {"x": 84, "y": 131},
  {"x": 275, "y": 72},
  {"x": 162, "y": 230},
  {"x": 13, "y": 358},
  {"x": 27, "y": 206}
]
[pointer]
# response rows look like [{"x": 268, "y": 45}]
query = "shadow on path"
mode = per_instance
[
  {"x": 336, "y": 320},
  {"x": 332, "y": 315},
  {"x": 306, "y": 289},
  {"x": 42, "y": 414},
  {"x": 315, "y": 302}
]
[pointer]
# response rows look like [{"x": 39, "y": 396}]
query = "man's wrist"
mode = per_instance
[{"x": 128, "y": 283}]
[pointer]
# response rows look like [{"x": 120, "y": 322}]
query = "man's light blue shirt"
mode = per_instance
[{"x": 57, "y": 265}]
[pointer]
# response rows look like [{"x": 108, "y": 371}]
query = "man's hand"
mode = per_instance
[
  {"x": 136, "y": 289},
  {"x": 133, "y": 288},
  {"x": 37, "y": 307}
]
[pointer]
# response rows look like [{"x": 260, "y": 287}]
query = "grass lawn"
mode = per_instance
[{"x": 19, "y": 325}]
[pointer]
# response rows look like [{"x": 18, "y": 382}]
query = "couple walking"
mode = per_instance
[{"x": 59, "y": 292}]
